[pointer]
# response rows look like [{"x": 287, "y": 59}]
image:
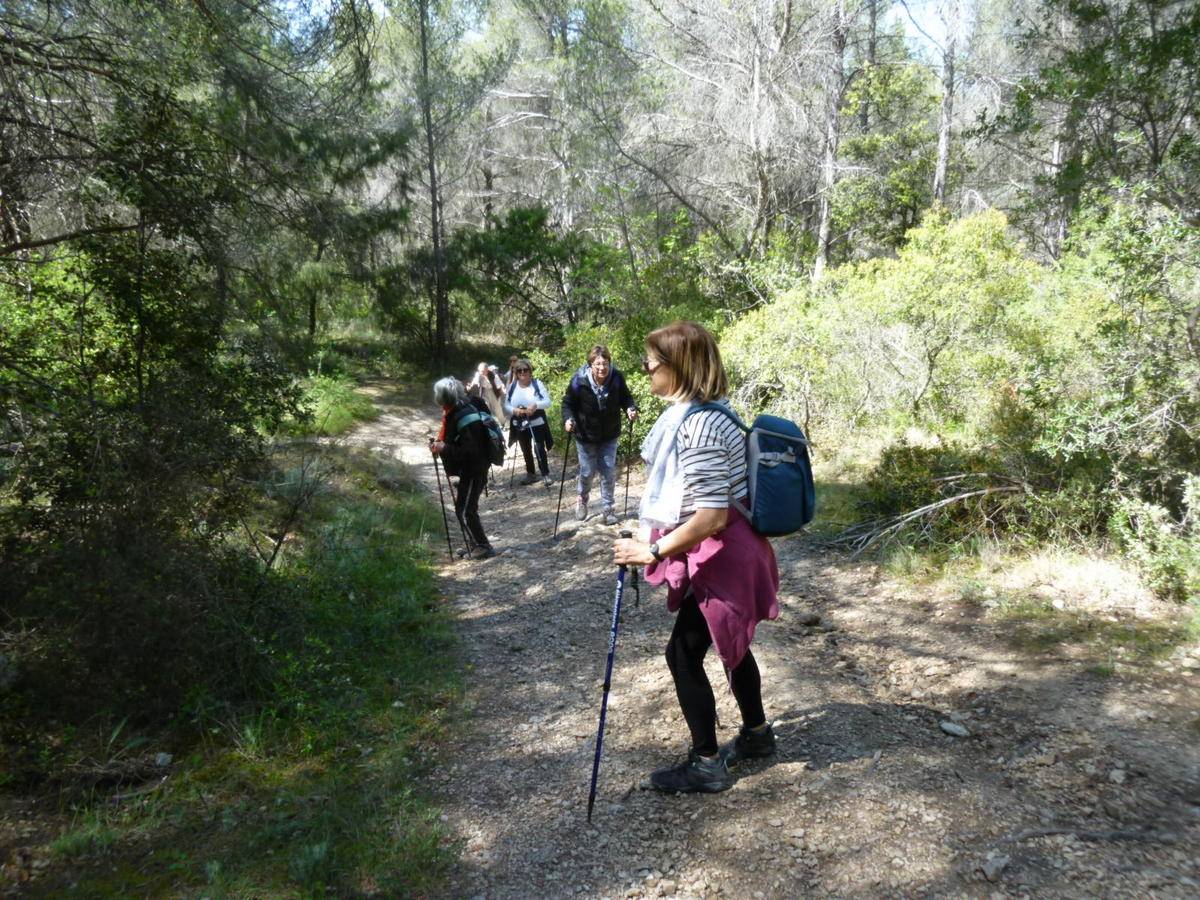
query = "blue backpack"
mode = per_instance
[{"x": 782, "y": 495}]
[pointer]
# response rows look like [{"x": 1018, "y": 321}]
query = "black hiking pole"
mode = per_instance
[
  {"x": 612, "y": 650},
  {"x": 468, "y": 541},
  {"x": 628, "y": 466},
  {"x": 437, "y": 471},
  {"x": 562, "y": 481}
]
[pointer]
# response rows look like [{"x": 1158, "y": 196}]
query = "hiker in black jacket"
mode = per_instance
[
  {"x": 464, "y": 452},
  {"x": 591, "y": 410}
]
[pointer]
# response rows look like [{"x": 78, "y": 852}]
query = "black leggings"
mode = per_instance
[
  {"x": 466, "y": 504},
  {"x": 686, "y": 649},
  {"x": 526, "y": 438}
]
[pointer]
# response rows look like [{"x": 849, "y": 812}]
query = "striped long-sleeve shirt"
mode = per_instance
[{"x": 712, "y": 460}]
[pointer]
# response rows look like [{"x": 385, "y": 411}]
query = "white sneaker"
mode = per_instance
[
  {"x": 581, "y": 509},
  {"x": 547, "y": 480},
  {"x": 610, "y": 517}
]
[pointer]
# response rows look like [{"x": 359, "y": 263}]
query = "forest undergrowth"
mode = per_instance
[{"x": 306, "y": 780}]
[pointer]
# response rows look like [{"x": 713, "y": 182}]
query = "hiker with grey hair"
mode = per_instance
[{"x": 463, "y": 449}]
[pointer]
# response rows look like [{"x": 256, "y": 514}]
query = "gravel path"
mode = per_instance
[{"x": 1066, "y": 784}]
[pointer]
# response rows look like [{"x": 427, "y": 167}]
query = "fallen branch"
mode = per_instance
[
  {"x": 863, "y": 536},
  {"x": 139, "y": 792}
]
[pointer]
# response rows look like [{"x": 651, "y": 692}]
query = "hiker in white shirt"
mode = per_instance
[
  {"x": 526, "y": 403},
  {"x": 486, "y": 385}
]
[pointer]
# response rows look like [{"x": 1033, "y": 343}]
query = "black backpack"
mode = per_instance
[{"x": 495, "y": 444}]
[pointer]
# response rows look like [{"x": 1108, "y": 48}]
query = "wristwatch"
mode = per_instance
[{"x": 654, "y": 552}]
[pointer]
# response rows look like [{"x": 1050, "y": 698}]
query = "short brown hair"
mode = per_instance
[
  {"x": 690, "y": 351},
  {"x": 598, "y": 351}
]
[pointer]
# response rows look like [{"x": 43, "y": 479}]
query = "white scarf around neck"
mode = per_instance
[{"x": 662, "y": 497}]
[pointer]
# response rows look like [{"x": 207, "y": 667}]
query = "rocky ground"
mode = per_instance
[
  {"x": 920, "y": 755},
  {"x": 922, "y": 752}
]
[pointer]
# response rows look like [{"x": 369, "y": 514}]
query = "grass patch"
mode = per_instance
[
  {"x": 311, "y": 787},
  {"x": 90, "y": 833},
  {"x": 1037, "y": 626},
  {"x": 333, "y": 405},
  {"x": 837, "y": 506}
]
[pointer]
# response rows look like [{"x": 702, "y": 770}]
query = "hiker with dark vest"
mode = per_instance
[
  {"x": 526, "y": 402},
  {"x": 463, "y": 449},
  {"x": 591, "y": 410},
  {"x": 720, "y": 574}
]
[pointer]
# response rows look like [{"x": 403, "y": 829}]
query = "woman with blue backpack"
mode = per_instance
[
  {"x": 463, "y": 444},
  {"x": 525, "y": 403},
  {"x": 591, "y": 409},
  {"x": 721, "y": 574}
]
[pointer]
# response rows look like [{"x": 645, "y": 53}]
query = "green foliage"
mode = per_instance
[
  {"x": 338, "y": 685},
  {"x": 1166, "y": 550},
  {"x": 889, "y": 341},
  {"x": 1079, "y": 383},
  {"x": 1121, "y": 76},
  {"x": 89, "y": 833},
  {"x": 890, "y": 179},
  {"x": 331, "y": 405},
  {"x": 136, "y": 409}
]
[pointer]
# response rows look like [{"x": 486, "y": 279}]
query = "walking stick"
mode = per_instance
[
  {"x": 437, "y": 471},
  {"x": 468, "y": 541},
  {"x": 628, "y": 466},
  {"x": 512, "y": 473},
  {"x": 562, "y": 481},
  {"x": 612, "y": 649}
]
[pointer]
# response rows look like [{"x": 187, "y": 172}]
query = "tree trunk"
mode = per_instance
[
  {"x": 313, "y": 297},
  {"x": 864, "y": 109},
  {"x": 837, "y": 83},
  {"x": 943, "y": 147},
  {"x": 756, "y": 148},
  {"x": 441, "y": 302}
]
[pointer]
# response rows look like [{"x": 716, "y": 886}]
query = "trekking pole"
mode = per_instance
[
  {"x": 468, "y": 541},
  {"x": 562, "y": 481},
  {"x": 437, "y": 471},
  {"x": 612, "y": 649},
  {"x": 628, "y": 466},
  {"x": 512, "y": 472}
]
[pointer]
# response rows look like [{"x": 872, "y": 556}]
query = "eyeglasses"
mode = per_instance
[
  {"x": 523, "y": 371},
  {"x": 649, "y": 366}
]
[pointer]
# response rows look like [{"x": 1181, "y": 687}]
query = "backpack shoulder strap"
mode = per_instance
[
  {"x": 716, "y": 407},
  {"x": 469, "y": 418},
  {"x": 730, "y": 414}
]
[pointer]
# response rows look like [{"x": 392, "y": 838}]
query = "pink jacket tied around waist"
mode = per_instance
[{"x": 734, "y": 578}]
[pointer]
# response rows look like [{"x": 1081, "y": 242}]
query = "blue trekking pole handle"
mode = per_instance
[{"x": 612, "y": 651}]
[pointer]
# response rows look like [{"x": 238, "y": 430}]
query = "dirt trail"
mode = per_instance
[{"x": 1069, "y": 784}]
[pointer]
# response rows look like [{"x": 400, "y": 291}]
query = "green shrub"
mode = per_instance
[
  {"x": 889, "y": 342},
  {"x": 331, "y": 405},
  {"x": 1167, "y": 551}
]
